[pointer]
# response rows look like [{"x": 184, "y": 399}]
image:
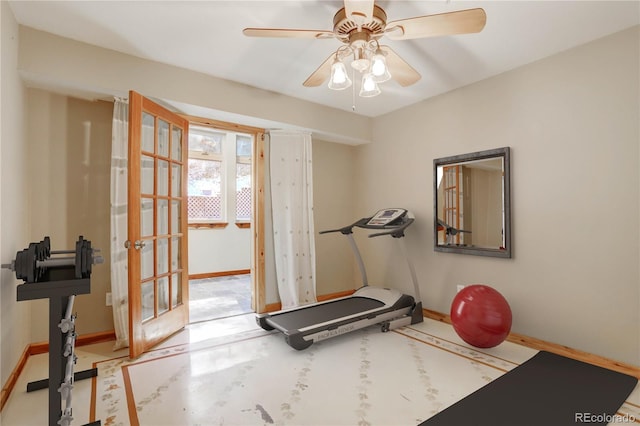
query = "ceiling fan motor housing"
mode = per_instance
[{"x": 343, "y": 26}]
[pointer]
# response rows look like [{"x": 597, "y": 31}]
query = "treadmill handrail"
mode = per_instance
[
  {"x": 393, "y": 230},
  {"x": 346, "y": 230}
]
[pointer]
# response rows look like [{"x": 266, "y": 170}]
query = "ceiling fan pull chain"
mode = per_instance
[{"x": 353, "y": 90}]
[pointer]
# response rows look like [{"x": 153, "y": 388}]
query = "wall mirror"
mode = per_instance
[{"x": 472, "y": 206}]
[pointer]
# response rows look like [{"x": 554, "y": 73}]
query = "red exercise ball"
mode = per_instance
[{"x": 481, "y": 316}]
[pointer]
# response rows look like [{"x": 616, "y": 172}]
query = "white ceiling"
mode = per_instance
[{"x": 206, "y": 36}]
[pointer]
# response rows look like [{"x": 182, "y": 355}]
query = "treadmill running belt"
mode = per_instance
[
  {"x": 313, "y": 315},
  {"x": 547, "y": 389}
]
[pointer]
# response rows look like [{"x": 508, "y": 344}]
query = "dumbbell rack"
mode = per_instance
[{"x": 59, "y": 283}]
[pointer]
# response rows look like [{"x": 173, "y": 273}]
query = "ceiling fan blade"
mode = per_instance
[
  {"x": 320, "y": 75},
  {"x": 460, "y": 22},
  {"x": 360, "y": 11},
  {"x": 287, "y": 33},
  {"x": 400, "y": 70}
]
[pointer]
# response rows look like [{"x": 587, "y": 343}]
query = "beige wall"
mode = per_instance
[
  {"x": 14, "y": 209},
  {"x": 333, "y": 207},
  {"x": 70, "y": 153},
  {"x": 571, "y": 121},
  {"x": 74, "y": 67}
]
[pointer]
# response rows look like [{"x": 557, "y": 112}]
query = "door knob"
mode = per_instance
[{"x": 136, "y": 245}]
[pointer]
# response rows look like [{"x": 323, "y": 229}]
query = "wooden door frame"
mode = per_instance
[{"x": 258, "y": 299}]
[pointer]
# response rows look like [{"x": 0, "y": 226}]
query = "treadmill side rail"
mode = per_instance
[{"x": 299, "y": 340}]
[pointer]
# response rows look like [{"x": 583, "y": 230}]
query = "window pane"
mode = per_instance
[
  {"x": 243, "y": 146},
  {"x": 204, "y": 189},
  {"x": 243, "y": 191},
  {"x": 205, "y": 140}
]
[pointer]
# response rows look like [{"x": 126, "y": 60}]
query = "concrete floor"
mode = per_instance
[{"x": 219, "y": 297}]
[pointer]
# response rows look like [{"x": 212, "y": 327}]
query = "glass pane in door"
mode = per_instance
[
  {"x": 176, "y": 258},
  {"x": 176, "y": 290},
  {"x": 146, "y": 217},
  {"x": 148, "y": 125},
  {"x": 163, "y": 178},
  {"x": 176, "y": 180},
  {"x": 163, "y": 217},
  {"x": 163, "y": 295},
  {"x": 147, "y": 166},
  {"x": 147, "y": 300},
  {"x": 146, "y": 260},
  {"x": 163, "y": 138},
  {"x": 175, "y": 216},
  {"x": 163, "y": 256},
  {"x": 176, "y": 144}
]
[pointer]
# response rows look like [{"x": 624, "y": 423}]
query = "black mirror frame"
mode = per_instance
[{"x": 480, "y": 155}]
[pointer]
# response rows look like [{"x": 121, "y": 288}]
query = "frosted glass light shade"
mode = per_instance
[
  {"x": 369, "y": 86},
  {"x": 339, "y": 79},
  {"x": 379, "y": 68}
]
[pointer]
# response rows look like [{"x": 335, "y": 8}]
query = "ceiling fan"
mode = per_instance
[{"x": 359, "y": 25}]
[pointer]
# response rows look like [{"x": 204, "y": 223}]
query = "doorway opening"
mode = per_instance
[{"x": 224, "y": 215}]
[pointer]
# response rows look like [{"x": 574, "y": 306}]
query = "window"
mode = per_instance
[
  {"x": 243, "y": 178},
  {"x": 213, "y": 175},
  {"x": 206, "y": 176}
]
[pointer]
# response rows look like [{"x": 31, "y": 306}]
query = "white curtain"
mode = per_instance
[
  {"x": 119, "y": 177},
  {"x": 292, "y": 207}
]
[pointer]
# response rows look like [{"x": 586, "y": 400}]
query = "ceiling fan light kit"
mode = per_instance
[
  {"x": 368, "y": 59},
  {"x": 359, "y": 25}
]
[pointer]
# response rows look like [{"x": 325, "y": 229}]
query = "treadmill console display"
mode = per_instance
[{"x": 387, "y": 217}]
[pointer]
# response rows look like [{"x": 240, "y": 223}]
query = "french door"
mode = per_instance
[{"x": 157, "y": 224}]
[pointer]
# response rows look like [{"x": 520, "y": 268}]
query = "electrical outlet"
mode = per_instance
[
  {"x": 109, "y": 301},
  {"x": 459, "y": 287}
]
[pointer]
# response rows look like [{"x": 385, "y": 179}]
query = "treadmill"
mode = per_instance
[{"x": 367, "y": 306}]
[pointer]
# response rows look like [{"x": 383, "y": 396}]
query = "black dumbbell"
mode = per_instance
[{"x": 31, "y": 263}]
